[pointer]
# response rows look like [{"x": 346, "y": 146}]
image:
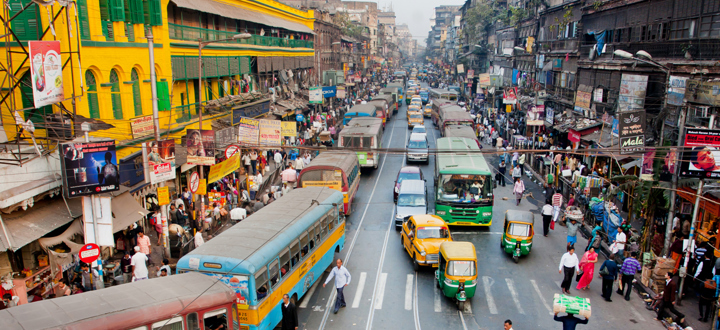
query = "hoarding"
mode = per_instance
[
  {"x": 509, "y": 96},
  {"x": 159, "y": 158},
  {"x": 315, "y": 95},
  {"x": 702, "y": 154},
  {"x": 142, "y": 126},
  {"x": 46, "y": 73},
  {"x": 676, "y": 90},
  {"x": 288, "y": 128},
  {"x": 270, "y": 132},
  {"x": 632, "y": 131},
  {"x": 248, "y": 131},
  {"x": 536, "y": 115},
  {"x": 200, "y": 147},
  {"x": 703, "y": 92},
  {"x": 484, "y": 80},
  {"x": 224, "y": 168},
  {"x": 90, "y": 168},
  {"x": 632, "y": 92}
]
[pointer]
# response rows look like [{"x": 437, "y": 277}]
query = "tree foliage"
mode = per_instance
[{"x": 347, "y": 27}]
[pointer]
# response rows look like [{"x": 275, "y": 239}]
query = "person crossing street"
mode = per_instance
[{"x": 342, "y": 279}]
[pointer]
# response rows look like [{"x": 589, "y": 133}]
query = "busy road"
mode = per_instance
[{"x": 385, "y": 292}]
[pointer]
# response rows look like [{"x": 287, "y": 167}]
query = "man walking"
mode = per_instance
[
  {"x": 547, "y": 211},
  {"x": 629, "y": 267},
  {"x": 572, "y": 228},
  {"x": 139, "y": 266},
  {"x": 342, "y": 279},
  {"x": 569, "y": 266},
  {"x": 608, "y": 277},
  {"x": 501, "y": 169},
  {"x": 508, "y": 325},
  {"x": 668, "y": 299},
  {"x": 569, "y": 321},
  {"x": 289, "y": 314}
]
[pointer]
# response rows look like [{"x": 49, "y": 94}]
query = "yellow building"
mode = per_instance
[{"x": 106, "y": 58}]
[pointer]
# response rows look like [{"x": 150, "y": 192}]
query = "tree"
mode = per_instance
[{"x": 347, "y": 27}]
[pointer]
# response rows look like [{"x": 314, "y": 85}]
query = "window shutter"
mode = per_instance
[
  {"x": 126, "y": 10},
  {"x": 93, "y": 105},
  {"x": 115, "y": 95},
  {"x": 107, "y": 29},
  {"x": 130, "y": 31},
  {"x": 163, "y": 93},
  {"x": 84, "y": 20},
  {"x": 137, "y": 15},
  {"x": 153, "y": 12},
  {"x": 117, "y": 10},
  {"x": 105, "y": 10},
  {"x": 24, "y": 25},
  {"x": 137, "y": 99}
]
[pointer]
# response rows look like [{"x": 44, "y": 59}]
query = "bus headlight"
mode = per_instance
[
  {"x": 487, "y": 214},
  {"x": 477, "y": 211},
  {"x": 440, "y": 212}
]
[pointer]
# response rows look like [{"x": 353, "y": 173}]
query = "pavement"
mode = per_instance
[{"x": 385, "y": 292}]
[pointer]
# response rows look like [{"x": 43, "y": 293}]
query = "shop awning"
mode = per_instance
[
  {"x": 24, "y": 227},
  {"x": 227, "y": 10},
  {"x": 126, "y": 210},
  {"x": 707, "y": 203}
]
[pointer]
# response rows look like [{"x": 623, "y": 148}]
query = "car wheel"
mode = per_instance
[{"x": 416, "y": 265}]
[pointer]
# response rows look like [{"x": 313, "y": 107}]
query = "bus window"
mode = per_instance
[
  {"x": 285, "y": 262},
  {"x": 295, "y": 252},
  {"x": 140, "y": 328},
  {"x": 261, "y": 284},
  {"x": 367, "y": 142},
  {"x": 303, "y": 245},
  {"x": 216, "y": 320},
  {"x": 274, "y": 274},
  {"x": 312, "y": 239},
  {"x": 323, "y": 227},
  {"x": 192, "y": 321},
  {"x": 351, "y": 141},
  {"x": 317, "y": 234},
  {"x": 351, "y": 177},
  {"x": 330, "y": 223},
  {"x": 175, "y": 323}
]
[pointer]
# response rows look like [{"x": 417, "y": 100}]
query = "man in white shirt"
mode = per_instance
[
  {"x": 199, "y": 239},
  {"x": 238, "y": 214},
  {"x": 547, "y": 212},
  {"x": 138, "y": 260},
  {"x": 299, "y": 165},
  {"x": 278, "y": 159},
  {"x": 342, "y": 279},
  {"x": 508, "y": 325},
  {"x": 620, "y": 240},
  {"x": 568, "y": 263}
]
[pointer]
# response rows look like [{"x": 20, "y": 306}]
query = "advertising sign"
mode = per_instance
[
  {"x": 550, "y": 115},
  {"x": 337, "y": 185},
  {"x": 582, "y": 99},
  {"x": 573, "y": 135},
  {"x": 250, "y": 110},
  {"x": 226, "y": 167},
  {"x": 288, "y": 128},
  {"x": 702, "y": 154},
  {"x": 536, "y": 115},
  {"x": 508, "y": 108},
  {"x": 248, "y": 131},
  {"x": 163, "y": 195},
  {"x": 160, "y": 160},
  {"x": 142, "y": 126},
  {"x": 270, "y": 132},
  {"x": 202, "y": 187},
  {"x": 632, "y": 92},
  {"x": 237, "y": 283},
  {"x": 90, "y": 168},
  {"x": 470, "y": 74},
  {"x": 484, "y": 80},
  {"x": 200, "y": 147},
  {"x": 340, "y": 92},
  {"x": 460, "y": 68},
  {"x": 676, "y": 90},
  {"x": 703, "y": 92},
  {"x": 615, "y": 128},
  {"x": 46, "y": 73},
  {"x": 315, "y": 95},
  {"x": 328, "y": 91},
  {"x": 632, "y": 131},
  {"x": 225, "y": 137},
  {"x": 598, "y": 95},
  {"x": 509, "y": 96}
]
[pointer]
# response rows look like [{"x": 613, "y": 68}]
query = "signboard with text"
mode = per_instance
[
  {"x": 160, "y": 160},
  {"x": 142, "y": 126},
  {"x": 248, "y": 131},
  {"x": 46, "y": 73},
  {"x": 632, "y": 92},
  {"x": 250, "y": 110},
  {"x": 315, "y": 95},
  {"x": 702, "y": 154},
  {"x": 200, "y": 147},
  {"x": 632, "y": 131},
  {"x": 270, "y": 132},
  {"x": 90, "y": 168}
]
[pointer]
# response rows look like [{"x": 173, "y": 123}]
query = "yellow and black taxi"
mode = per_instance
[
  {"x": 421, "y": 236},
  {"x": 427, "y": 112}
]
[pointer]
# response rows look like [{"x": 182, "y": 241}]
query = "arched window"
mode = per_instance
[
  {"x": 93, "y": 105},
  {"x": 115, "y": 94},
  {"x": 137, "y": 100}
]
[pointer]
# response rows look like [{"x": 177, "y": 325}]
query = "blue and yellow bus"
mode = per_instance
[
  {"x": 360, "y": 110},
  {"x": 281, "y": 249}
]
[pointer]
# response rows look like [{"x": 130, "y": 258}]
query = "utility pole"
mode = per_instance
[
  {"x": 98, "y": 263},
  {"x": 156, "y": 124},
  {"x": 676, "y": 172}
]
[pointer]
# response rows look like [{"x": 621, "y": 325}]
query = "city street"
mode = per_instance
[{"x": 385, "y": 292}]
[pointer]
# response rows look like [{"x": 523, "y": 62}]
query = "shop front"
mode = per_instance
[{"x": 708, "y": 218}]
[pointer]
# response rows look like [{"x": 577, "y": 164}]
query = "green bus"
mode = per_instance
[{"x": 463, "y": 183}]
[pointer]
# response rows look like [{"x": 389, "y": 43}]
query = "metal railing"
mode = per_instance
[{"x": 190, "y": 33}]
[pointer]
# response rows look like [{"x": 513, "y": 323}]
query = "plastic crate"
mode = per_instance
[{"x": 571, "y": 305}]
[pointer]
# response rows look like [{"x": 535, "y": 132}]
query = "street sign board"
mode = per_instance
[
  {"x": 89, "y": 253},
  {"x": 194, "y": 182}
]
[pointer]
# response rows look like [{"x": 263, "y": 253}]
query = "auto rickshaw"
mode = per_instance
[
  {"x": 518, "y": 233},
  {"x": 456, "y": 275}
]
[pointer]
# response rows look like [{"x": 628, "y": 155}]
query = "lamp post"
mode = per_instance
[{"x": 201, "y": 45}]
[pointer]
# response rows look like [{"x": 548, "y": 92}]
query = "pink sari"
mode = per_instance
[{"x": 588, "y": 269}]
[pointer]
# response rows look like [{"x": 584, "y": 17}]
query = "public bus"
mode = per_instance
[
  {"x": 365, "y": 134},
  {"x": 339, "y": 170},
  {"x": 173, "y": 302},
  {"x": 443, "y": 94},
  {"x": 388, "y": 103},
  {"x": 463, "y": 183},
  {"x": 394, "y": 94},
  {"x": 281, "y": 249},
  {"x": 400, "y": 90},
  {"x": 462, "y": 131},
  {"x": 361, "y": 110},
  {"x": 454, "y": 116}
]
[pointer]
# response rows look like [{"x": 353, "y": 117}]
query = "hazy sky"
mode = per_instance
[{"x": 416, "y": 13}]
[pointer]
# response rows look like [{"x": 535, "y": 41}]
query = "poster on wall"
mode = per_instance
[
  {"x": 315, "y": 95},
  {"x": 632, "y": 132},
  {"x": 270, "y": 132},
  {"x": 549, "y": 115},
  {"x": 676, "y": 90},
  {"x": 142, "y": 126},
  {"x": 159, "y": 160},
  {"x": 632, "y": 92},
  {"x": 702, "y": 154},
  {"x": 200, "y": 147},
  {"x": 536, "y": 115},
  {"x": 90, "y": 168},
  {"x": 248, "y": 131},
  {"x": 46, "y": 73},
  {"x": 288, "y": 129},
  {"x": 509, "y": 96}
]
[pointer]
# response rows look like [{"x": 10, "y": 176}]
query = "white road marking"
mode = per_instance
[
  {"x": 309, "y": 294},
  {"x": 514, "y": 294},
  {"x": 416, "y": 313},
  {"x": 477, "y": 232},
  {"x": 540, "y": 294},
  {"x": 380, "y": 293},
  {"x": 362, "y": 219},
  {"x": 637, "y": 314},
  {"x": 487, "y": 282},
  {"x": 463, "y": 320},
  {"x": 438, "y": 306},
  {"x": 409, "y": 292},
  {"x": 359, "y": 291}
]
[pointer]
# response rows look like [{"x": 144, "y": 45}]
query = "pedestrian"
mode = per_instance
[
  {"x": 668, "y": 298},
  {"x": 620, "y": 240},
  {"x": 199, "y": 239},
  {"x": 706, "y": 291},
  {"x": 289, "y": 314},
  {"x": 62, "y": 289},
  {"x": 299, "y": 165},
  {"x": 516, "y": 172},
  {"x": 182, "y": 217},
  {"x": 278, "y": 158},
  {"x": 587, "y": 266},
  {"x": 595, "y": 240},
  {"x": 342, "y": 279},
  {"x": 547, "y": 211},
  {"x": 568, "y": 263},
  {"x": 704, "y": 271},
  {"x": 186, "y": 196},
  {"x": 286, "y": 188},
  {"x": 247, "y": 163},
  {"x": 139, "y": 266},
  {"x": 89, "y": 276},
  {"x": 156, "y": 220},
  {"x": 571, "y": 200},
  {"x": 557, "y": 201},
  {"x": 126, "y": 267},
  {"x": 515, "y": 158},
  {"x": 165, "y": 266},
  {"x": 143, "y": 241},
  {"x": 173, "y": 214},
  {"x": 289, "y": 175},
  {"x": 501, "y": 170},
  {"x": 507, "y": 325},
  {"x": 629, "y": 267},
  {"x": 572, "y": 228},
  {"x": 716, "y": 277},
  {"x": 569, "y": 321},
  {"x": 518, "y": 189},
  {"x": 253, "y": 161},
  {"x": 608, "y": 272}
]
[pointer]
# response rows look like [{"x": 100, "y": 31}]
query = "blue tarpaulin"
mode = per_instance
[{"x": 600, "y": 39}]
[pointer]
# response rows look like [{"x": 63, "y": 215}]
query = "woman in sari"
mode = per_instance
[
  {"x": 587, "y": 265},
  {"x": 595, "y": 233}
]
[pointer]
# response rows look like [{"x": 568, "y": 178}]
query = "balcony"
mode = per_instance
[
  {"x": 189, "y": 33},
  {"x": 559, "y": 46},
  {"x": 704, "y": 49}
]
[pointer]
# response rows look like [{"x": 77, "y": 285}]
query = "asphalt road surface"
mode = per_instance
[{"x": 385, "y": 292}]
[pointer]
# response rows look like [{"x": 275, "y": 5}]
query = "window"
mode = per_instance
[
  {"x": 25, "y": 25},
  {"x": 261, "y": 284},
  {"x": 175, "y": 323},
  {"x": 93, "y": 105},
  {"x": 83, "y": 19},
  {"x": 304, "y": 249},
  {"x": 137, "y": 99},
  {"x": 461, "y": 268},
  {"x": 192, "y": 321},
  {"x": 367, "y": 142},
  {"x": 324, "y": 227},
  {"x": 682, "y": 29},
  {"x": 519, "y": 229},
  {"x": 710, "y": 27},
  {"x": 295, "y": 252},
  {"x": 285, "y": 262},
  {"x": 353, "y": 174},
  {"x": 216, "y": 319},
  {"x": 115, "y": 94},
  {"x": 274, "y": 273},
  {"x": 153, "y": 12},
  {"x": 318, "y": 238}
]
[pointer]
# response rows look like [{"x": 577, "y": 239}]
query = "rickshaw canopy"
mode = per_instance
[
  {"x": 520, "y": 216},
  {"x": 458, "y": 251}
]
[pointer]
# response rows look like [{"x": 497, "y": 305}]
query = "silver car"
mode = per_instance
[
  {"x": 411, "y": 201},
  {"x": 417, "y": 148}
]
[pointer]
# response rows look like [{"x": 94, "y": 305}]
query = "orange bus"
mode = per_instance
[{"x": 339, "y": 170}]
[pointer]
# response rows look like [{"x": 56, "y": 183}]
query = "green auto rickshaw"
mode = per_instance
[
  {"x": 518, "y": 233},
  {"x": 456, "y": 275}
]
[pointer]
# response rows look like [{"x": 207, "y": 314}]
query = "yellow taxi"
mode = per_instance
[
  {"x": 428, "y": 111},
  {"x": 421, "y": 237}
]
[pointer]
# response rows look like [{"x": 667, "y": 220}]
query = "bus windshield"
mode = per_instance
[
  {"x": 461, "y": 268},
  {"x": 411, "y": 200},
  {"x": 462, "y": 123},
  {"x": 432, "y": 232},
  {"x": 323, "y": 175},
  {"x": 465, "y": 188}
]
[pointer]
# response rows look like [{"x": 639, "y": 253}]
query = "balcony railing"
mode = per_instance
[
  {"x": 699, "y": 49},
  {"x": 189, "y": 33}
]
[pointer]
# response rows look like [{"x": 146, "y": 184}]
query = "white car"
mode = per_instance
[{"x": 419, "y": 129}]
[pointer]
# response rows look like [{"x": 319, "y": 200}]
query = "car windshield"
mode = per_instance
[
  {"x": 519, "y": 229},
  {"x": 411, "y": 200},
  {"x": 461, "y": 268},
  {"x": 408, "y": 176},
  {"x": 432, "y": 232},
  {"x": 465, "y": 188},
  {"x": 417, "y": 144},
  {"x": 418, "y": 129},
  {"x": 416, "y": 116}
]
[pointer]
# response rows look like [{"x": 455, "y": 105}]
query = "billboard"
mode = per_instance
[
  {"x": 632, "y": 131},
  {"x": 536, "y": 115},
  {"x": 632, "y": 92},
  {"x": 224, "y": 168},
  {"x": 288, "y": 128},
  {"x": 251, "y": 110},
  {"x": 159, "y": 160},
  {"x": 270, "y": 132},
  {"x": 46, "y": 73},
  {"x": 142, "y": 126},
  {"x": 248, "y": 131},
  {"x": 484, "y": 80},
  {"x": 509, "y": 96},
  {"x": 200, "y": 147},
  {"x": 676, "y": 90},
  {"x": 90, "y": 168},
  {"x": 315, "y": 95},
  {"x": 702, "y": 154},
  {"x": 703, "y": 92},
  {"x": 329, "y": 91}
]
